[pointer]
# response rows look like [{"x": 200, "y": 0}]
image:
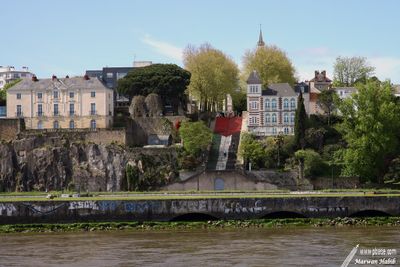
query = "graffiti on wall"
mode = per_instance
[
  {"x": 43, "y": 210},
  {"x": 7, "y": 209},
  {"x": 327, "y": 209},
  {"x": 239, "y": 207},
  {"x": 137, "y": 207},
  {"x": 89, "y": 204},
  {"x": 180, "y": 206}
]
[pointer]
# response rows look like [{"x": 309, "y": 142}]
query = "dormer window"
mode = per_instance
[{"x": 55, "y": 94}]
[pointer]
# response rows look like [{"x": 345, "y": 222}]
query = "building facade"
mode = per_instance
[
  {"x": 110, "y": 76},
  {"x": 271, "y": 111},
  {"x": 319, "y": 83},
  {"x": 79, "y": 102},
  {"x": 9, "y": 74}
]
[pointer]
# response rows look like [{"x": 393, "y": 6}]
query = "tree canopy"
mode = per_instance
[
  {"x": 3, "y": 92},
  {"x": 166, "y": 80},
  {"x": 195, "y": 136},
  {"x": 271, "y": 63},
  {"x": 214, "y": 75},
  {"x": 327, "y": 101},
  {"x": 371, "y": 120},
  {"x": 349, "y": 70},
  {"x": 300, "y": 123}
]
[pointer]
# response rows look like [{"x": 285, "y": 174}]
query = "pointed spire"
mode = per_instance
[{"x": 260, "y": 39}]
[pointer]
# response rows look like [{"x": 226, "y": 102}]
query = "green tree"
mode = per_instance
[
  {"x": 371, "y": 120},
  {"x": 327, "y": 101},
  {"x": 165, "y": 80},
  {"x": 195, "y": 136},
  {"x": 348, "y": 70},
  {"x": 310, "y": 163},
  {"x": 251, "y": 150},
  {"x": 3, "y": 92},
  {"x": 239, "y": 101},
  {"x": 300, "y": 123},
  {"x": 271, "y": 63},
  {"x": 214, "y": 75}
]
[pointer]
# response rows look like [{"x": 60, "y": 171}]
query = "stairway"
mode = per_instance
[{"x": 226, "y": 139}]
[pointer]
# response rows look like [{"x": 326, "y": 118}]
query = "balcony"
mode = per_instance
[
  {"x": 56, "y": 114},
  {"x": 40, "y": 114},
  {"x": 93, "y": 112},
  {"x": 72, "y": 113},
  {"x": 19, "y": 114}
]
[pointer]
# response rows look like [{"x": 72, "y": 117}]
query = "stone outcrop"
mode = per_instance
[{"x": 56, "y": 163}]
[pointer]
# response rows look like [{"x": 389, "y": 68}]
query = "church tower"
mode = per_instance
[{"x": 260, "y": 42}]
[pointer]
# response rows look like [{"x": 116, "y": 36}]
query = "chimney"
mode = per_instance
[
  {"x": 86, "y": 77},
  {"x": 324, "y": 73},
  {"x": 67, "y": 77},
  {"x": 54, "y": 77},
  {"x": 316, "y": 73},
  {"x": 34, "y": 78}
]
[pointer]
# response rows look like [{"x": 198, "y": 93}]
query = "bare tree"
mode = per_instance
[{"x": 348, "y": 70}]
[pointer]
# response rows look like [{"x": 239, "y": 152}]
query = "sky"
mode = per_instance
[{"x": 68, "y": 37}]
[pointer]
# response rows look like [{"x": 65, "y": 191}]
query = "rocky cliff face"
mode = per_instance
[{"x": 40, "y": 163}]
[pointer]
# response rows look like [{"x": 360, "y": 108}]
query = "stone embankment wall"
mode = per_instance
[
  {"x": 239, "y": 180},
  {"x": 10, "y": 128},
  {"x": 98, "y": 136},
  {"x": 165, "y": 210},
  {"x": 59, "y": 163}
]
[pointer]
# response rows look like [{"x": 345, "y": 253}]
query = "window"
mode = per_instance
[
  {"x": 56, "y": 125},
  {"x": 55, "y": 94},
  {"x": 254, "y": 105},
  {"x": 267, "y": 118},
  {"x": 71, "y": 94},
  {"x": 40, "y": 125},
  {"x": 40, "y": 110},
  {"x": 292, "y": 117},
  {"x": 274, "y": 131},
  {"x": 253, "y": 120},
  {"x": 285, "y": 103},
  {"x": 274, "y": 118},
  {"x": 93, "y": 109},
  {"x": 18, "y": 95},
  {"x": 55, "y": 109},
  {"x": 93, "y": 94},
  {"x": 110, "y": 75},
  {"x": 273, "y": 103},
  {"x": 286, "y": 130},
  {"x": 71, "y": 124},
  {"x": 293, "y": 103},
  {"x": 267, "y": 104},
  {"x": 292, "y": 130},
  {"x": 253, "y": 89},
  {"x": 19, "y": 110},
  {"x": 93, "y": 124},
  {"x": 71, "y": 109},
  {"x": 286, "y": 118},
  {"x": 121, "y": 75},
  {"x": 39, "y": 95}
]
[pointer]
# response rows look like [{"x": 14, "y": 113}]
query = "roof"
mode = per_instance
[
  {"x": 320, "y": 77},
  {"x": 64, "y": 83},
  {"x": 254, "y": 78},
  {"x": 304, "y": 87},
  {"x": 396, "y": 88},
  {"x": 279, "y": 89}
]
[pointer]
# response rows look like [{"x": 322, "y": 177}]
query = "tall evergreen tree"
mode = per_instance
[{"x": 300, "y": 123}]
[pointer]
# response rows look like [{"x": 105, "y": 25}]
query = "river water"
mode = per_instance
[{"x": 243, "y": 247}]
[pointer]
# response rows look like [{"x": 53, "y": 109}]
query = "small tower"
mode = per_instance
[
  {"x": 254, "y": 84},
  {"x": 260, "y": 42}
]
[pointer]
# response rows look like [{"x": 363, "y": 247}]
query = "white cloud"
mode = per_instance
[{"x": 164, "y": 48}]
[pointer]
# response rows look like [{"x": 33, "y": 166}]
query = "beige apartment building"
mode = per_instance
[{"x": 68, "y": 103}]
